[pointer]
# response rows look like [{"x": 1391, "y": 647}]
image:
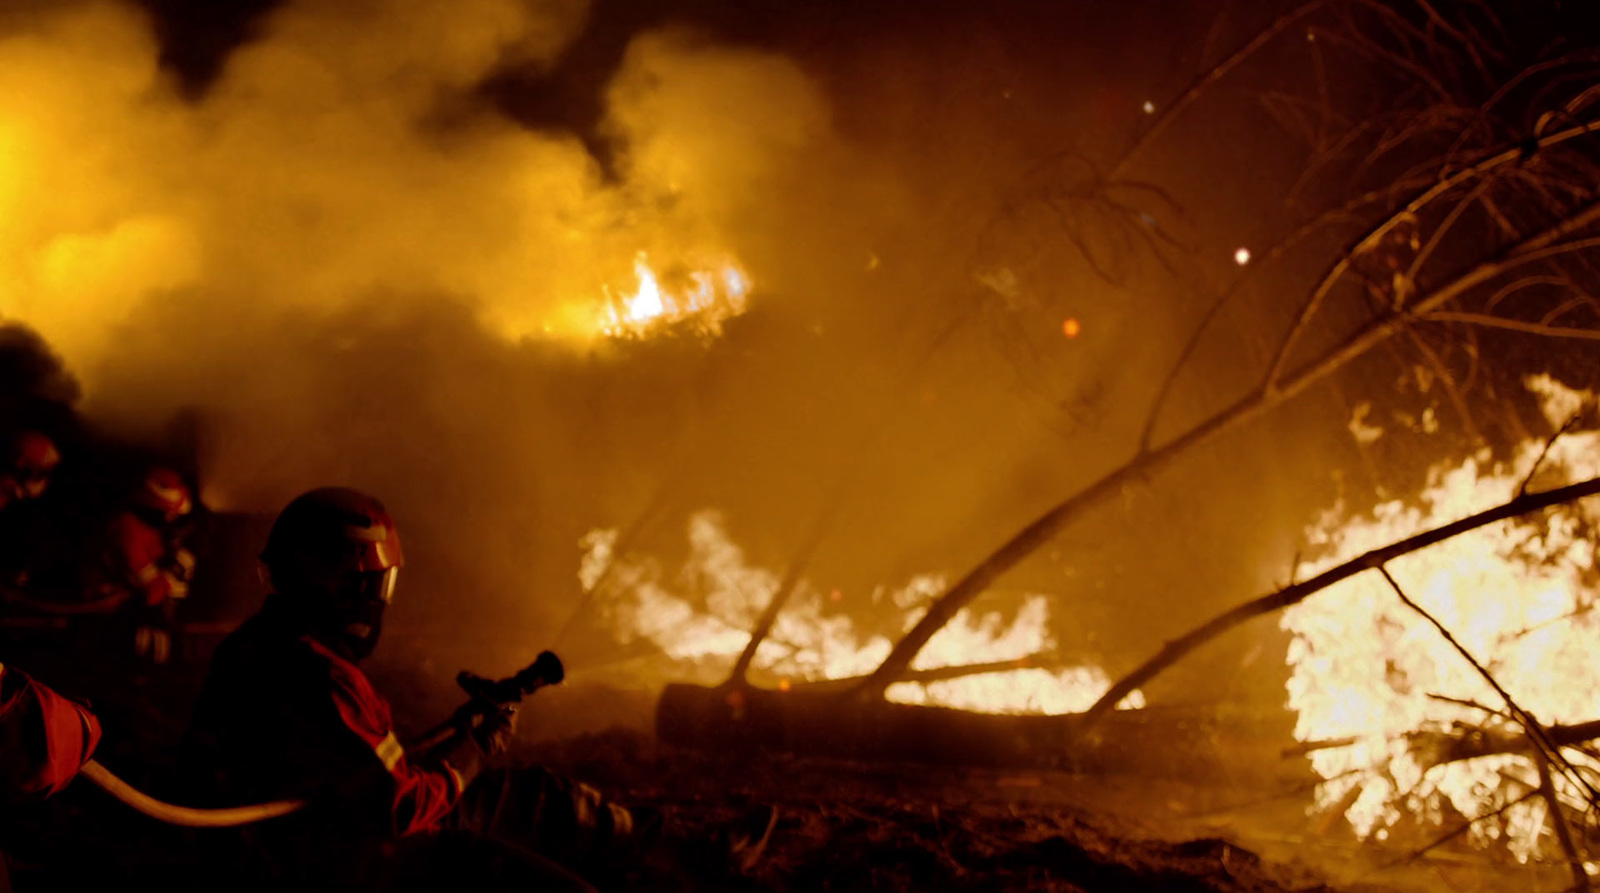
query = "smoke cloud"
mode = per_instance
[{"x": 353, "y": 267}]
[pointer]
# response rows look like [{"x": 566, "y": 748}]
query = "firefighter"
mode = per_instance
[
  {"x": 27, "y": 463},
  {"x": 44, "y": 738},
  {"x": 146, "y": 558},
  {"x": 286, "y": 712},
  {"x": 31, "y": 458}
]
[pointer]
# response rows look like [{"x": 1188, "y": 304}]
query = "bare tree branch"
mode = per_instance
[
  {"x": 1489, "y": 162},
  {"x": 1534, "y": 469},
  {"x": 1520, "y": 284},
  {"x": 1217, "y": 73},
  {"x": 1196, "y": 337},
  {"x": 1558, "y": 822},
  {"x": 1514, "y": 325},
  {"x": 830, "y": 509},
  {"x": 1147, "y": 462},
  {"x": 1444, "y": 227},
  {"x": 1458, "y": 401}
]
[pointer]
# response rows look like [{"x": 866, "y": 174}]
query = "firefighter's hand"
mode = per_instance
[
  {"x": 494, "y": 732},
  {"x": 181, "y": 565}
]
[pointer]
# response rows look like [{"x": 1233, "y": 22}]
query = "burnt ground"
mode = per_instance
[{"x": 851, "y": 826}]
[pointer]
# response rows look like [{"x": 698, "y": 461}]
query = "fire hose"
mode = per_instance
[{"x": 483, "y": 695}]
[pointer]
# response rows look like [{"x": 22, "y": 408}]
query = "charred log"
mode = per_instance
[
  {"x": 1436, "y": 748},
  {"x": 1172, "y": 742}
]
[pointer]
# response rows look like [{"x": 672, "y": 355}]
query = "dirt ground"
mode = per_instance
[{"x": 849, "y": 826}]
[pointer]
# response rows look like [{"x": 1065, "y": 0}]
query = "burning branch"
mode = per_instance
[
  {"x": 1534, "y": 729},
  {"x": 1455, "y": 832},
  {"x": 1545, "y": 751},
  {"x": 1176, "y": 649},
  {"x": 1437, "y": 749}
]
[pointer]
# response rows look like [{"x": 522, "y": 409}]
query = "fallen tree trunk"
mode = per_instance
[
  {"x": 821, "y": 719},
  {"x": 1439, "y": 748},
  {"x": 1174, "y": 742},
  {"x": 1047, "y": 661}
]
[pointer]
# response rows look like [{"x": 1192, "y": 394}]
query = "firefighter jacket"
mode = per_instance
[
  {"x": 44, "y": 738},
  {"x": 143, "y": 560},
  {"x": 282, "y": 716}
]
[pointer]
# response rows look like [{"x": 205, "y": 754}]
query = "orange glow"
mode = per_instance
[{"x": 1072, "y": 328}]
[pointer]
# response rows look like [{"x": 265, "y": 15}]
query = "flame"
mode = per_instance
[
  {"x": 708, "y": 298},
  {"x": 1518, "y": 595},
  {"x": 700, "y": 617}
]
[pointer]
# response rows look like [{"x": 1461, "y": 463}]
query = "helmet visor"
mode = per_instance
[
  {"x": 385, "y": 585},
  {"x": 371, "y": 586}
]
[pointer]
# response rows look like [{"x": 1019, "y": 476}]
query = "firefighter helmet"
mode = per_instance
[
  {"x": 33, "y": 459},
  {"x": 164, "y": 492},
  {"x": 336, "y": 542}
]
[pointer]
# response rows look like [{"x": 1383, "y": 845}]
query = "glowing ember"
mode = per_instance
[
  {"x": 705, "y": 299},
  {"x": 1241, "y": 256},
  {"x": 1518, "y": 595},
  {"x": 1071, "y": 327},
  {"x": 699, "y": 618}
]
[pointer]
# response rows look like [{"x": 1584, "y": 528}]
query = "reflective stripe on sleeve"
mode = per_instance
[
  {"x": 621, "y": 820},
  {"x": 460, "y": 783},
  {"x": 389, "y": 751}
]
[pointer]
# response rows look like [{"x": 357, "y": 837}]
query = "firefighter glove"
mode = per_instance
[{"x": 495, "y": 730}]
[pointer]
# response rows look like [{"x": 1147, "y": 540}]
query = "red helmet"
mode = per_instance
[
  {"x": 33, "y": 459},
  {"x": 337, "y": 542},
  {"x": 164, "y": 491}
]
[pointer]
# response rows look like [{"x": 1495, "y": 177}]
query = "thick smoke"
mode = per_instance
[
  {"x": 344, "y": 153},
  {"x": 354, "y": 268}
]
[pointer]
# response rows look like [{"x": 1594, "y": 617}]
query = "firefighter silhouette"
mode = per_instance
[{"x": 146, "y": 558}]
